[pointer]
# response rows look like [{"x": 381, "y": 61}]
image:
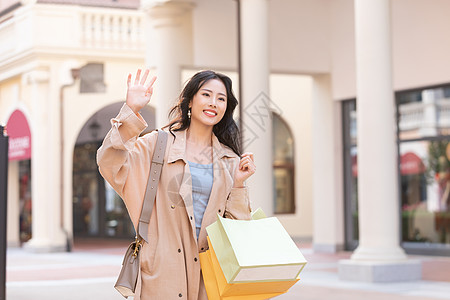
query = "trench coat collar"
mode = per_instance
[{"x": 178, "y": 148}]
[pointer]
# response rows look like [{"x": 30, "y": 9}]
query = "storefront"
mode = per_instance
[
  {"x": 423, "y": 127},
  {"x": 97, "y": 209},
  {"x": 20, "y": 165}
]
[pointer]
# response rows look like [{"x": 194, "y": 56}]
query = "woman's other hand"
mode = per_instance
[
  {"x": 245, "y": 169},
  {"x": 139, "y": 94}
]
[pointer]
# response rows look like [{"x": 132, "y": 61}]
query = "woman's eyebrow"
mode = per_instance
[{"x": 208, "y": 90}]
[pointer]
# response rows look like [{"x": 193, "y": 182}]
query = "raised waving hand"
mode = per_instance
[{"x": 138, "y": 93}]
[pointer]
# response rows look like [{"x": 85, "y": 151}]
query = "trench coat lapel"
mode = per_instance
[
  {"x": 223, "y": 179},
  {"x": 177, "y": 152}
]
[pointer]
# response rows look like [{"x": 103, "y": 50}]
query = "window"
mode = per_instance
[
  {"x": 424, "y": 156},
  {"x": 91, "y": 76},
  {"x": 350, "y": 174},
  {"x": 283, "y": 167}
]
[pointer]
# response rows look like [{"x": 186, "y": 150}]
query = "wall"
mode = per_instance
[
  {"x": 343, "y": 63},
  {"x": 299, "y": 36},
  {"x": 419, "y": 47},
  {"x": 215, "y": 34},
  {"x": 293, "y": 95}
]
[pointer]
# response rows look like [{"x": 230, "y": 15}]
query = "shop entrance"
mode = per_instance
[
  {"x": 98, "y": 211},
  {"x": 24, "y": 200},
  {"x": 19, "y": 182}
]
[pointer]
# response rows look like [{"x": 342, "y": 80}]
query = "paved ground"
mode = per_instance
[{"x": 89, "y": 272}]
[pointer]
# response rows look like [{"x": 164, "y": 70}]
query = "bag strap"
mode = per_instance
[{"x": 152, "y": 184}]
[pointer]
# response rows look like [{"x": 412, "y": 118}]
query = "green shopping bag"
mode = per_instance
[{"x": 255, "y": 251}]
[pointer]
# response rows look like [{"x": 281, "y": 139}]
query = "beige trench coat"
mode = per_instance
[{"x": 170, "y": 267}]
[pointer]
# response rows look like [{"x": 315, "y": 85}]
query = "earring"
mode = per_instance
[{"x": 189, "y": 113}]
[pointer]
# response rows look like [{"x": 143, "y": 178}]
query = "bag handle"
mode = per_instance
[{"x": 152, "y": 184}]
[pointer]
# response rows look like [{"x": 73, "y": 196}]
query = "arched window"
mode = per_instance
[{"x": 283, "y": 167}]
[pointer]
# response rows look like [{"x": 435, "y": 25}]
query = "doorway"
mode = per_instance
[{"x": 98, "y": 211}]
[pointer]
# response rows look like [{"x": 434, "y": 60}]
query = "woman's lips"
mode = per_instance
[{"x": 210, "y": 113}]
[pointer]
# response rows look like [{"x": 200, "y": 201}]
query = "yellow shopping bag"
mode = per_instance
[
  {"x": 211, "y": 285},
  {"x": 249, "y": 288},
  {"x": 260, "y": 258}
]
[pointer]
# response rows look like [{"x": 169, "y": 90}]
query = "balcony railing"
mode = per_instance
[
  {"x": 423, "y": 118},
  {"x": 111, "y": 29},
  {"x": 417, "y": 115},
  {"x": 59, "y": 28},
  {"x": 411, "y": 116}
]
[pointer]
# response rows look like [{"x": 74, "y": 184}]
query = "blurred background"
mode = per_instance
[{"x": 345, "y": 103}]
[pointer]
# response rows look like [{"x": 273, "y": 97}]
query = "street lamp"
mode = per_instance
[{"x": 3, "y": 208}]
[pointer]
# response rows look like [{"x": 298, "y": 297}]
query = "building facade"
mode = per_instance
[{"x": 374, "y": 177}]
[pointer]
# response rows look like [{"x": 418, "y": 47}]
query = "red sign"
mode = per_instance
[
  {"x": 19, "y": 136},
  {"x": 411, "y": 164}
]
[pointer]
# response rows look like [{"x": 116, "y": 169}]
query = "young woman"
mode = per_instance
[{"x": 203, "y": 175}]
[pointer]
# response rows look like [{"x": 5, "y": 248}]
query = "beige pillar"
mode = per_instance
[
  {"x": 377, "y": 182},
  {"x": 379, "y": 256},
  {"x": 47, "y": 234},
  {"x": 170, "y": 46},
  {"x": 255, "y": 102},
  {"x": 328, "y": 236},
  {"x": 13, "y": 216}
]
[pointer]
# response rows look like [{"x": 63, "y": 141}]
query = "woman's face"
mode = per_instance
[{"x": 210, "y": 103}]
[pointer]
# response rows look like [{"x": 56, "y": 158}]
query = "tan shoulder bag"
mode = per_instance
[{"x": 127, "y": 280}]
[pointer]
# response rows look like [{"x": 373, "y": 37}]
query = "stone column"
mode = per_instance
[
  {"x": 47, "y": 234},
  {"x": 13, "y": 217},
  {"x": 255, "y": 102},
  {"x": 328, "y": 236},
  {"x": 169, "y": 46},
  {"x": 379, "y": 256}
]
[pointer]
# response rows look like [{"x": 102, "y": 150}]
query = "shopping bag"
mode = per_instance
[
  {"x": 271, "y": 288},
  {"x": 211, "y": 285},
  {"x": 255, "y": 251}
]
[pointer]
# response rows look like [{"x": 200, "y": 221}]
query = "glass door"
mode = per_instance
[
  {"x": 98, "y": 211},
  {"x": 350, "y": 174}
]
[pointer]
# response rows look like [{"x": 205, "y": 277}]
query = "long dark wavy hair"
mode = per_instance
[{"x": 226, "y": 130}]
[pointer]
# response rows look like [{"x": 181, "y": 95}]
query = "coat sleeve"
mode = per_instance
[
  {"x": 124, "y": 159},
  {"x": 238, "y": 202}
]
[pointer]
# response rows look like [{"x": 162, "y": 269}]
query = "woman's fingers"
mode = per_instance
[
  {"x": 144, "y": 78},
  {"x": 149, "y": 87},
  {"x": 247, "y": 163},
  {"x": 248, "y": 154},
  {"x": 149, "y": 91},
  {"x": 152, "y": 81},
  {"x": 138, "y": 75},
  {"x": 129, "y": 80},
  {"x": 141, "y": 81},
  {"x": 244, "y": 160}
]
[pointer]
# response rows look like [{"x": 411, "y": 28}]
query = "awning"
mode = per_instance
[
  {"x": 19, "y": 136},
  {"x": 411, "y": 164}
]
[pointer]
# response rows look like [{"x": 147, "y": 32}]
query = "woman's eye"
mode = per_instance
[
  {"x": 206, "y": 94},
  {"x": 222, "y": 99}
]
